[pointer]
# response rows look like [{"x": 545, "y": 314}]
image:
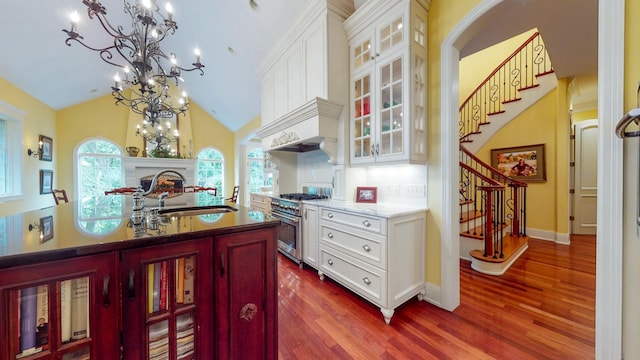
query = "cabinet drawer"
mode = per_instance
[
  {"x": 369, "y": 248},
  {"x": 363, "y": 279},
  {"x": 360, "y": 221}
]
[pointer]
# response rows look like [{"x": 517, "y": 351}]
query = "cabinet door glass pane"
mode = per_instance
[
  {"x": 361, "y": 116},
  {"x": 391, "y": 34},
  {"x": 185, "y": 276},
  {"x": 185, "y": 336},
  {"x": 391, "y": 112},
  {"x": 74, "y": 309},
  {"x": 158, "y": 340},
  {"x": 361, "y": 53},
  {"x": 31, "y": 306},
  {"x": 157, "y": 289}
]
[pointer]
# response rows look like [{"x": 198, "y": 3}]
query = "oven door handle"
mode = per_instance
[{"x": 286, "y": 217}]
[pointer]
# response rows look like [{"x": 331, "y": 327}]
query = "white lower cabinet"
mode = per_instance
[
  {"x": 379, "y": 258},
  {"x": 310, "y": 235},
  {"x": 260, "y": 202}
]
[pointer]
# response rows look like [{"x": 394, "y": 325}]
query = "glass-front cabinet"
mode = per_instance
[
  {"x": 165, "y": 301},
  {"x": 60, "y": 310},
  {"x": 388, "y": 75}
]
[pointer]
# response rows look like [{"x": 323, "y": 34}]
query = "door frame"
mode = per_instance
[{"x": 611, "y": 23}]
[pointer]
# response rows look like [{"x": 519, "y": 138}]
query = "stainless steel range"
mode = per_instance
[{"x": 287, "y": 208}]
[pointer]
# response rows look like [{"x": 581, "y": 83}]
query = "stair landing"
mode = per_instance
[{"x": 513, "y": 247}]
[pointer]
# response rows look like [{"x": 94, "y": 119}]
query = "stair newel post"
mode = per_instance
[
  {"x": 500, "y": 204},
  {"x": 523, "y": 232},
  {"x": 488, "y": 220},
  {"x": 515, "y": 222}
]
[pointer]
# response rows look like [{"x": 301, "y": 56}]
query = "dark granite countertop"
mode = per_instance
[{"x": 102, "y": 223}]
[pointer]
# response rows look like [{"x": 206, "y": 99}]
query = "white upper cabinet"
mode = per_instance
[
  {"x": 310, "y": 61},
  {"x": 388, "y": 51}
]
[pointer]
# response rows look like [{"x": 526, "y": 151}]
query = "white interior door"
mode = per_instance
[{"x": 585, "y": 177}]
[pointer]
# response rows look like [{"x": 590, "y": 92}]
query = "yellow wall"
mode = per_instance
[
  {"x": 584, "y": 115},
  {"x": 475, "y": 68},
  {"x": 535, "y": 125},
  {"x": 38, "y": 120}
]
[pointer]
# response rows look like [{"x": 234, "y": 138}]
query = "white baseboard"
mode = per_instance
[
  {"x": 558, "y": 238},
  {"x": 433, "y": 294}
]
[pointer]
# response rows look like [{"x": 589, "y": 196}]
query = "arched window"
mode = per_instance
[
  {"x": 210, "y": 169},
  {"x": 99, "y": 169}
]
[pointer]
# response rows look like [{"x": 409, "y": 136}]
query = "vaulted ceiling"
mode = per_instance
[{"x": 35, "y": 58}]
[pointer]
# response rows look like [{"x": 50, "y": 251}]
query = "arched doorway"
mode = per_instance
[{"x": 610, "y": 90}]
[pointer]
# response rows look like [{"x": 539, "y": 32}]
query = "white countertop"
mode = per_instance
[{"x": 386, "y": 210}]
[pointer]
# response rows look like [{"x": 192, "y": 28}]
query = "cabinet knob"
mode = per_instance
[
  {"x": 330, "y": 215},
  {"x": 330, "y": 235},
  {"x": 366, "y": 223},
  {"x": 330, "y": 262},
  {"x": 366, "y": 280},
  {"x": 366, "y": 247}
]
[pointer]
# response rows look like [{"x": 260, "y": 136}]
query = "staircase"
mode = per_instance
[{"x": 492, "y": 205}]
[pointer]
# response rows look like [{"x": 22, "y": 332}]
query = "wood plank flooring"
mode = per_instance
[{"x": 542, "y": 308}]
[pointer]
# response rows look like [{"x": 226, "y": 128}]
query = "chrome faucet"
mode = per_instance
[{"x": 154, "y": 182}]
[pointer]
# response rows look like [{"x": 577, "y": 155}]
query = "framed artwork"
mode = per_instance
[
  {"x": 523, "y": 163},
  {"x": 46, "y": 228},
  {"x": 46, "y": 181},
  {"x": 366, "y": 194},
  {"x": 46, "y": 149}
]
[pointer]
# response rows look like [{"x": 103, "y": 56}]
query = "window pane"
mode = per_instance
[{"x": 210, "y": 170}]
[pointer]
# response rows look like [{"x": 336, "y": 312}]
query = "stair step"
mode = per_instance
[
  {"x": 477, "y": 232},
  {"x": 470, "y": 215},
  {"x": 529, "y": 87},
  {"x": 512, "y": 244},
  {"x": 465, "y": 202},
  {"x": 496, "y": 112},
  {"x": 512, "y": 100}
]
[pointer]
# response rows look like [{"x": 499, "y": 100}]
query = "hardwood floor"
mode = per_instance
[{"x": 542, "y": 308}]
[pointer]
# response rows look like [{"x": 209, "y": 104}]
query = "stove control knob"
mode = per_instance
[{"x": 296, "y": 208}]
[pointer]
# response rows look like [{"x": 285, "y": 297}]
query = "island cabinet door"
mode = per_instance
[
  {"x": 167, "y": 301},
  {"x": 65, "y": 309},
  {"x": 246, "y": 295}
]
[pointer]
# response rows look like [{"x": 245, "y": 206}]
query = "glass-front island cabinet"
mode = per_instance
[{"x": 195, "y": 285}]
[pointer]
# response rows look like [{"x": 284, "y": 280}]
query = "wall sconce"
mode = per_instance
[
  {"x": 36, "y": 226},
  {"x": 35, "y": 153}
]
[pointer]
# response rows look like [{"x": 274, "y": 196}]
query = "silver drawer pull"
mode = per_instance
[
  {"x": 366, "y": 247},
  {"x": 366, "y": 223},
  {"x": 330, "y": 262},
  {"x": 330, "y": 235},
  {"x": 366, "y": 281},
  {"x": 330, "y": 215}
]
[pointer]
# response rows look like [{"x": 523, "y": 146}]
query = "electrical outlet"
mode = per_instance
[{"x": 415, "y": 190}]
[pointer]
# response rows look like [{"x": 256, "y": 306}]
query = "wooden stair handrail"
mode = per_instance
[
  {"x": 493, "y": 171},
  {"x": 492, "y": 182},
  {"x": 530, "y": 39}
]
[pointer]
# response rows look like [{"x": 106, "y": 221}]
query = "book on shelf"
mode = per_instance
[
  {"x": 42, "y": 316},
  {"x": 28, "y": 318},
  {"x": 150, "y": 273},
  {"x": 163, "y": 285},
  {"x": 79, "y": 308},
  {"x": 65, "y": 311},
  {"x": 157, "y": 276},
  {"x": 180, "y": 280},
  {"x": 189, "y": 274}
]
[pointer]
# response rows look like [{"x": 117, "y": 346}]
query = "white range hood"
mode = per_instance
[{"x": 312, "y": 126}]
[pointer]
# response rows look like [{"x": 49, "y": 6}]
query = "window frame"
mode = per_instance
[
  {"x": 14, "y": 118},
  {"x": 220, "y": 190}
]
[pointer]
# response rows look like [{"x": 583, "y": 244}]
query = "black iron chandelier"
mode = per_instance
[{"x": 147, "y": 69}]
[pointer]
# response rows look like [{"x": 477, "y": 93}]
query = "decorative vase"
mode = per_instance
[{"x": 132, "y": 150}]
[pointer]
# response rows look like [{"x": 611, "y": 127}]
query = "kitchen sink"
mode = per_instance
[{"x": 197, "y": 210}]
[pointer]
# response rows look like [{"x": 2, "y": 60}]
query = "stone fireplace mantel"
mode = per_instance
[{"x": 135, "y": 168}]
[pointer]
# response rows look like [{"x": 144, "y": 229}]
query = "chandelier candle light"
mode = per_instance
[{"x": 146, "y": 68}]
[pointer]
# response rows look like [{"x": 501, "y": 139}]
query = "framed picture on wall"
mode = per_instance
[
  {"x": 46, "y": 149},
  {"x": 524, "y": 163},
  {"x": 46, "y": 181},
  {"x": 46, "y": 228}
]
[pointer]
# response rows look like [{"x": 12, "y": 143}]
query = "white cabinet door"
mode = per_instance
[{"x": 310, "y": 235}]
